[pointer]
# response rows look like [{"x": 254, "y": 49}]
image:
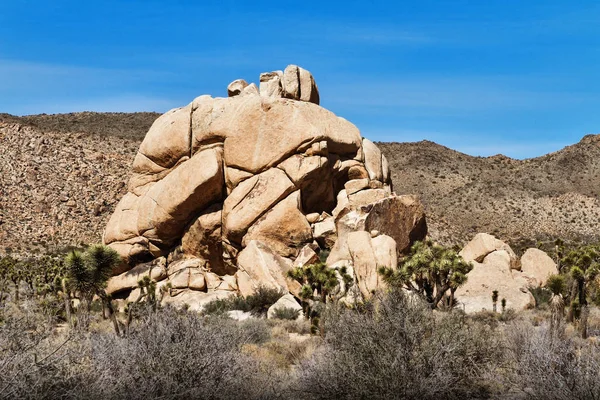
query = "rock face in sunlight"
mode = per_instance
[
  {"x": 226, "y": 194},
  {"x": 496, "y": 267}
]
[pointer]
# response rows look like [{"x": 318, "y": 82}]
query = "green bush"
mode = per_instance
[
  {"x": 398, "y": 348},
  {"x": 286, "y": 313},
  {"x": 258, "y": 303},
  {"x": 541, "y": 295}
]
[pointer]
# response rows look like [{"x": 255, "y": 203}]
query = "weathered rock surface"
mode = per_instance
[
  {"x": 493, "y": 263},
  {"x": 260, "y": 266},
  {"x": 484, "y": 244},
  {"x": 538, "y": 266},
  {"x": 287, "y": 301},
  {"x": 237, "y": 191}
]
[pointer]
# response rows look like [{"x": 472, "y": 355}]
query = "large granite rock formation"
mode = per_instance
[{"x": 230, "y": 193}]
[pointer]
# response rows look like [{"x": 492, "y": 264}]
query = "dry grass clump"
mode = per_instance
[
  {"x": 168, "y": 354},
  {"x": 397, "y": 348},
  {"x": 392, "y": 347}
]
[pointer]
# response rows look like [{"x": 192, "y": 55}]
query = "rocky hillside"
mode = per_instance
[
  {"x": 555, "y": 195},
  {"x": 61, "y": 176}
]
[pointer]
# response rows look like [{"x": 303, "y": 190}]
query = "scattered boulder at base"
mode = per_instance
[{"x": 496, "y": 267}]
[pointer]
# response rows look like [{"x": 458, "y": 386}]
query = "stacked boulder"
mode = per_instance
[
  {"x": 228, "y": 194},
  {"x": 496, "y": 267}
]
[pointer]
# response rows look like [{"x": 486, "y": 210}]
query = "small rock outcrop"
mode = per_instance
[
  {"x": 233, "y": 192},
  {"x": 496, "y": 267}
]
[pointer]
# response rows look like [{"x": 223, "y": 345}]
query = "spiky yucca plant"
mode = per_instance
[
  {"x": 494, "y": 299},
  {"x": 87, "y": 273}
]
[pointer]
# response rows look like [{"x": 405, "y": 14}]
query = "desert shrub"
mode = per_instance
[
  {"x": 217, "y": 307},
  {"x": 286, "y": 313},
  {"x": 398, "y": 348},
  {"x": 166, "y": 354},
  {"x": 545, "y": 366},
  {"x": 257, "y": 303},
  {"x": 541, "y": 295},
  {"x": 30, "y": 353},
  {"x": 298, "y": 326}
]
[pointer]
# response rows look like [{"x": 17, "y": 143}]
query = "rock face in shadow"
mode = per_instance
[{"x": 241, "y": 185}]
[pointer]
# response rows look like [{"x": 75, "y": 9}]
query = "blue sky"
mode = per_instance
[{"x": 520, "y": 78}]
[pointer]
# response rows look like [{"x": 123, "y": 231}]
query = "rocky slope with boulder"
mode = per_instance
[
  {"x": 229, "y": 194},
  {"x": 74, "y": 168}
]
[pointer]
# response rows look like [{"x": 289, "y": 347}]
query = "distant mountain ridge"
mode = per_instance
[{"x": 63, "y": 174}]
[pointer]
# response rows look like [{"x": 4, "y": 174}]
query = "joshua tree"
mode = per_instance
[
  {"x": 430, "y": 270},
  {"x": 556, "y": 284},
  {"x": 584, "y": 267},
  {"x": 88, "y": 273},
  {"x": 494, "y": 299},
  {"x": 318, "y": 285},
  {"x": 503, "y": 302},
  {"x": 316, "y": 278},
  {"x": 12, "y": 271}
]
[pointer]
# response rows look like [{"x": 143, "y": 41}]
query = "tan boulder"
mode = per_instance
[
  {"x": 169, "y": 205},
  {"x": 308, "y": 87},
  {"x": 483, "y": 244},
  {"x": 324, "y": 232},
  {"x": 202, "y": 239},
  {"x": 180, "y": 272},
  {"x": 283, "y": 228},
  {"x": 213, "y": 281},
  {"x": 134, "y": 250},
  {"x": 270, "y": 84},
  {"x": 233, "y": 177},
  {"x": 251, "y": 90},
  {"x": 385, "y": 251},
  {"x": 369, "y": 196},
  {"x": 145, "y": 172},
  {"x": 291, "y": 82},
  {"x": 307, "y": 256},
  {"x": 196, "y": 279},
  {"x": 538, "y": 266},
  {"x": 356, "y": 185},
  {"x": 194, "y": 300},
  {"x": 206, "y": 112},
  {"x": 168, "y": 139},
  {"x": 341, "y": 203},
  {"x": 400, "y": 217},
  {"x": 128, "y": 280},
  {"x": 265, "y": 132},
  {"x": 364, "y": 262},
  {"x": 251, "y": 199},
  {"x": 236, "y": 87},
  {"x": 357, "y": 172},
  {"x": 286, "y": 301},
  {"x": 494, "y": 273},
  {"x": 258, "y": 265},
  {"x": 313, "y": 217},
  {"x": 385, "y": 170},
  {"x": 373, "y": 160},
  {"x": 122, "y": 224}
]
